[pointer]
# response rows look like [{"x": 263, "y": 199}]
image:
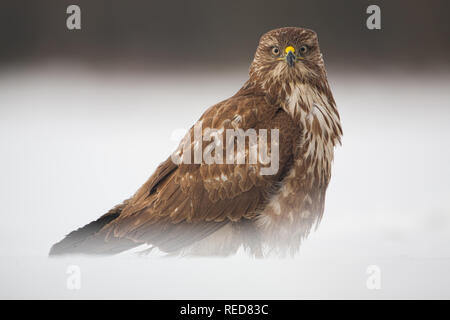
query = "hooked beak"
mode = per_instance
[
  {"x": 290, "y": 56},
  {"x": 290, "y": 59}
]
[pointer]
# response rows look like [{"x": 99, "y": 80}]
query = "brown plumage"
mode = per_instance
[{"x": 215, "y": 208}]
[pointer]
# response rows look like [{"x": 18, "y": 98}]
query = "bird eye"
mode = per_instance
[
  {"x": 303, "y": 49},
  {"x": 275, "y": 51}
]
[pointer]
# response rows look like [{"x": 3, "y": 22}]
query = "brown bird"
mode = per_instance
[{"x": 215, "y": 207}]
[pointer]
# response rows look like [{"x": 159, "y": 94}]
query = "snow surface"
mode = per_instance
[{"x": 74, "y": 142}]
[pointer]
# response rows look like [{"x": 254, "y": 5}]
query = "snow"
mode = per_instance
[{"x": 73, "y": 143}]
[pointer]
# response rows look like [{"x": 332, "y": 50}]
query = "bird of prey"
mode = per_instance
[{"x": 216, "y": 208}]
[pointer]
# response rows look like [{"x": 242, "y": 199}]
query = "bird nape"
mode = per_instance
[{"x": 212, "y": 199}]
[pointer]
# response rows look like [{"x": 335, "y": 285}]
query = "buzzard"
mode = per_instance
[{"x": 215, "y": 207}]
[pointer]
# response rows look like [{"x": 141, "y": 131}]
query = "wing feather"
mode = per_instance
[{"x": 187, "y": 202}]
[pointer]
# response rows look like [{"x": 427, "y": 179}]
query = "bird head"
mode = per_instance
[{"x": 286, "y": 55}]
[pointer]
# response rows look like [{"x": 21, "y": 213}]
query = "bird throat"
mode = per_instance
[
  {"x": 316, "y": 114},
  {"x": 299, "y": 203}
]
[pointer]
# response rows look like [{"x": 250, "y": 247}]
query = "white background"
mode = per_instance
[{"x": 74, "y": 142}]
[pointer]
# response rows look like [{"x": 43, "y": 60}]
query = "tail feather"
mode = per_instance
[{"x": 86, "y": 241}]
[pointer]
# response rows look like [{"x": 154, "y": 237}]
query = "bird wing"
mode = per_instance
[{"x": 183, "y": 203}]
